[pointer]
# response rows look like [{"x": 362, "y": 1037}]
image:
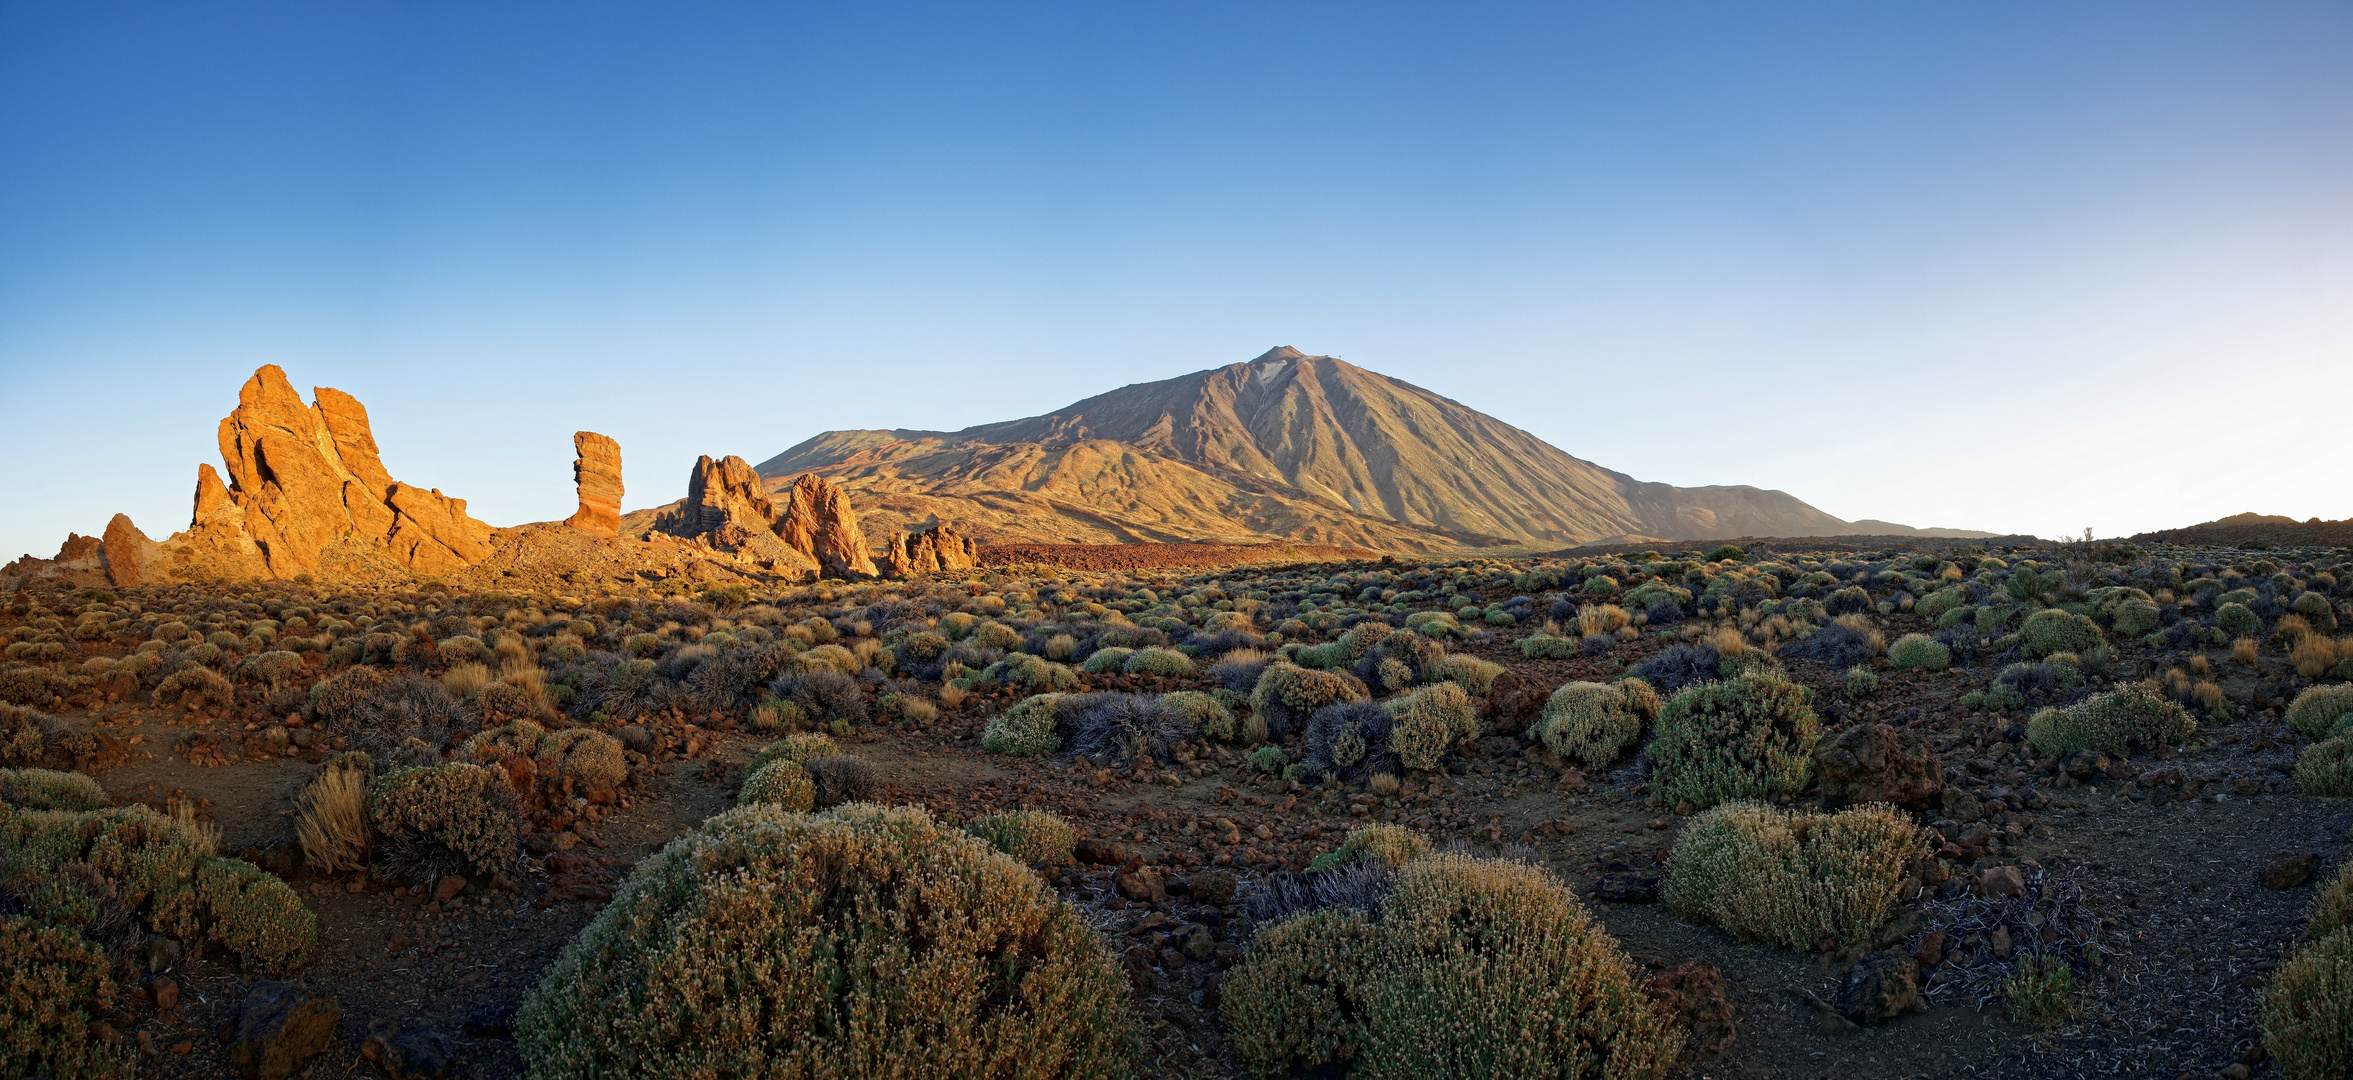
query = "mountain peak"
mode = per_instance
[{"x": 1279, "y": 352}]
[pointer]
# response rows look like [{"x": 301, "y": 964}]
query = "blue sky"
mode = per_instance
[{"x": 2008, "y": 266}]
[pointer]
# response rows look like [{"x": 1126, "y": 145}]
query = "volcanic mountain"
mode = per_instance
[{"x": 1286, "y": 447}]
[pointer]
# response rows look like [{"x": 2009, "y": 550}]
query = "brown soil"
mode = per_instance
[{"x": 1157, "y": 556}]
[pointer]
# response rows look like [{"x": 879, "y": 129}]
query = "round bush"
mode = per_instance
[
  {"x": 1474, "y": 968},
  {"x": 1427, "y": 723},
  {"x": 797, "y": 749},
  {"x": 2315, "y": 712},
  {"x": 585, "y": 755},
  {"x": 1792, "y": 877},
  {"x": 1287, "y": 694},
  {"x": 1207, "y": 714},
  {"x": 2308, "y": 1011},
  {"x": 1741, "y": 738},
  {"x": 1393, "y": 845},
  {"x": 858, "y": 942},
  {"x": 256, "y": 915},
  {"x": 2325, "y": 769},
  {"x": 54, "y": 987},
  {"x": 2333, "y": 909},
  {"x": 439, "y": 820},
  {"x": 1024, "y": 730},
  {"x": 333, "y": 698},
  {"x": 48, "y": 789},
  {"x": 2134, "y": 616},
  {"x": 2052, "y": 630},
  {"x": 2237, "y": 619},
  {"x": 1591, "y": 722},
  {"x": 1920, "y": 652},
  {"x": 1109, "y": 660},
  {"x": 1030, "y": 836},
  {"x": 780, "y": 782},
  {"x": 493, "y": 745},
  {"x": 2130, "y": 717},
  {"x": 1156, "y": 661}
]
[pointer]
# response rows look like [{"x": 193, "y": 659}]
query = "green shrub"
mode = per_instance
[
  {"x": 770, "y": 717},
  {"x": 1427, "y": 723},
  {"x": 781, "y": 782},
  {"x": 2316, "y": 711},
  {"x": 439, "y": 820},
  {"x": 1206, "y": 713},
  {"x": 2332, "y": 910},
  {"x": 1268, "y": 759},
  {"x": 798, "y": 749},
  {"x": 48, "y": 789},
  {"x": 1935, "y": 605},
  {"x": 2308, "y": 1011},
  {"x": 995, "y": 635},
  {"x": 1107, "y": 661},
  {"x": 2133, "y": 616},
  {"x": 54, "y": 991},
  {"x": 1728, "y": 551},
  {"x": 826, "y": 658},
  {"x": 1035, "y": 674},
  {"x": 1286, "y": 694},
  {"x": 2042, "y": 994},
  {"x": 1030, "y": 836},
  {"x": 1472, "y": 673},
  {"x": 255, "y": 915},
  {"x": 1789, "y": 877},
  {"x": 2129, "y": 717},
  {"x": 2325, "y": 769},
  {"x": 2052, "y": 630},
  {"x": 2316, "y": 610},
  {"x": 1475, "y": 968},
  {"x": 2237, "y": 619},
  {"x": 1168, "y": 662},
  {"x": 1742, "y": 738},
  {"x": 1860, "y": 683},
  {"x": 1024, "y": 730},
  {"x": 1919, "y": 652},
  {"x": 1550, "y": 647},
  {"x": 1592, "y": 722},
  {"x": 1395, "y": 845},
  {"x": 861, "y": 941}
]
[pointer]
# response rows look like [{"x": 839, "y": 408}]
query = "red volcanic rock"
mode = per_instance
[
  {"x": 128, "y": 551},
  {"x": 596, "y": 471}
]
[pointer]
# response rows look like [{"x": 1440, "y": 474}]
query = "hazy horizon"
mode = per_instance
[{"x": 2011, "y": 269}]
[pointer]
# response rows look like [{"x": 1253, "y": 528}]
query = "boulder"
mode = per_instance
[
  {"x": 1694, "y": 992},
  {"x": 596, "y": 473},
  {"x": 278, "y": 1028},
  {"x": 408, "y": 1051},
  {"x": 933, "y": 550},
  {"x": 2289, "y": 869},
  {"x": 128, "y": 552},
  {"x": 1879, "y": 988},
  {"x": 1876, "y": 763}
]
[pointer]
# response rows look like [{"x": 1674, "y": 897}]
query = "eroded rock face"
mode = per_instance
[
  {"x": 818, "y": 521},
  {"x": 815, "y": 530},
  {"x": 932, "y": 550},
  {"x": 128, "y": 552},
  {"x": 302, "y": 479},
  {"x": 596, "y": 471}
]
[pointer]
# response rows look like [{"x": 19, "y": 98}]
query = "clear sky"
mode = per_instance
[{"x": 2013, "y": 266}]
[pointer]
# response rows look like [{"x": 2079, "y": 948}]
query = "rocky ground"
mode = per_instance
[
  {"x": 1157, "y": 556},
  {"x": 2192, "y": 870}
]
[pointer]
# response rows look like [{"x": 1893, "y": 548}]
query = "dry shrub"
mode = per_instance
[
  {"x": 1395, "y": 845},
  {"x": 445, "y": 819},
  {"x": 48, "y": 789},
  {"x": 798, "y": 749},
  {"x": 2308, "y": 1011},
  {"x": 843, "y": 778},
  {"x": 857, "y": 942},
  {"x": 1792, "y": 877},
  {"x": 2332, "y": 910},
  {"x": 2243, "y": 651},
  {"x": 1032, "y": 837},
  {"x": 1474, "y": 968},
  {"x": 1595, "y": 619},
  {"x": 1026, "y": 729},
  {"x": 54, "y": 993},
  {"x": 2313, "y": 656},
  {"x": 780, "y": 782},
  {"x": 1287, "y": 694},
  {"x": 333, "y": 698},
  {"x": 493, "y": 745},
  {"x": 331, "y": 820},
  {"x": 953, "y": 696},
  {"x": 1728, "y": 641},
  {"x": 2315, "y": 712},
  {"x": 1740, "y": 738},
  {"x": 585, "y": 755},
  {"x": 1592, "y": 722},
  {"x": 2134, "y": 716},
  {"x": 465, "y": 680},
  {"x": 1427, "y": 723}
]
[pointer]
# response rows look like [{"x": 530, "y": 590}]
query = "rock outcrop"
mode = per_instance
[
  {"x": 128, "y": 552},
  {"x": 931, "y": 550},
  {"x": 596, "y": 472},
  {"x": 815, "y": 531}
]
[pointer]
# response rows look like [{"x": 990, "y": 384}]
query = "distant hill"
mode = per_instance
[
  {"x": 1288, "y": 446},
  {"x": 2253, "y": 530}
]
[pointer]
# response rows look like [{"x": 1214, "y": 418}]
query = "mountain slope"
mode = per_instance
[{"x": 1286, "y": 446}]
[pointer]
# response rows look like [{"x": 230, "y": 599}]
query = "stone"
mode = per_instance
[
  {"x": 1215, "y": 887},
  {"x": 1694, "y": 991},
  {"x": 1513, "y": 701},
  {"x": 129, "y": 552},
  {"x": 2001, "y": 883},
  {"x": 2286, "y": 871},
  {"x": 1139, "y": 882},
  {"x": 1627, "y": 888},
  {"x": 1101, "y": 852},
  {"x": 936, "y": 549},
  {"x": 818, "y": 522},
  {"x": 1879, "y": 988},
  {"x": 1195, "y": 941},
  {"x": 448, "y": 889},
  {"x": 724, "y": 494},
  {"x": 405, "y": 1051},
  {"x": 1963, "y": 807},
  {"x": 1930, "y": 951},
  {"x": 279, "y": 1028},
  {"x": 1871, "y": 763},
  {"x": 596, "y": 474},
  {"x": 165, "y": 992}
]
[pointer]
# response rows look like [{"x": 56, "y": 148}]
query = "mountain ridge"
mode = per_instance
[{"x": 1286, "y": 446}]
